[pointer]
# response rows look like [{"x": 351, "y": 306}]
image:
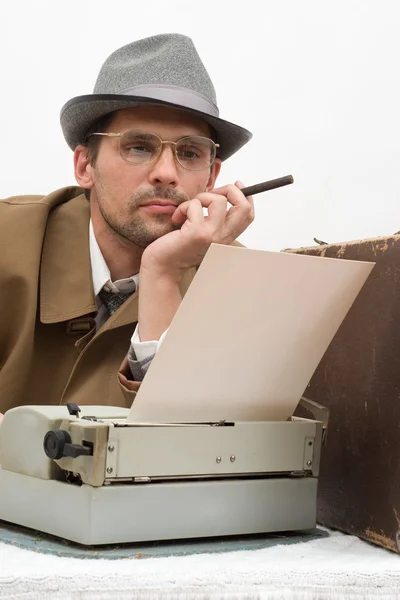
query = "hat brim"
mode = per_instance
[{"x": 78, "y": 114}]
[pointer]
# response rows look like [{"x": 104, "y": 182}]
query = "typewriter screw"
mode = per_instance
[
  {"x": 233, "y": 458},
  {"x": 111, "y": 448},
  {"x": 218, "y": 459},
  {"x": 309, "y": 463},
  {"x": 109, "y": 470}
]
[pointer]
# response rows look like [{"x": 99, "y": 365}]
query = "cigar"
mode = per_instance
[{"x": 267, "y": 185}]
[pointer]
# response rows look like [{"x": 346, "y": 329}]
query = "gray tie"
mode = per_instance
[{"x": 113, "y": 300}]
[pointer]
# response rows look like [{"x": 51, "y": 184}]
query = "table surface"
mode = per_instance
[{"x": 320, "y": 565}]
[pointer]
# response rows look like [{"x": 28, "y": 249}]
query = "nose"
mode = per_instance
[{"x": 164, "y": 169}]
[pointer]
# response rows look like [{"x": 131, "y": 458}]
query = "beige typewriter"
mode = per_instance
[{"x": 90, "y": 477}]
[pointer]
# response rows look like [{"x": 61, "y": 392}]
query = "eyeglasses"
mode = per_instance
[{"x": 192, "y": 152}]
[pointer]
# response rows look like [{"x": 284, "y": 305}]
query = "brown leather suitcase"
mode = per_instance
[{"x": 358, "y": 379}]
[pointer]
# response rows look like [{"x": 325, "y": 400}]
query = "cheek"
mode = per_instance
[
  {"x": 116, "y": 181},
  {"x": 198, "y": 186}
]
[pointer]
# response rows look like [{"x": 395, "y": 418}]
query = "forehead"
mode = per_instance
[{"x": 159, "y": 119}]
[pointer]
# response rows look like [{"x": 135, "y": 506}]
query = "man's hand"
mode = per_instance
[
  {"x": 165, "y": 261},
  {"x": 175, "y": 252}
]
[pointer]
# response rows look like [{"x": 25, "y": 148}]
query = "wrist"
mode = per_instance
[
  {"x": 151, "y": 268},
  {"x": 159, "y": 299}
]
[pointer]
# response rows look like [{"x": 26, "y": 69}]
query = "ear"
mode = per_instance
[
  {"x": 215, "y": 169},
  {"x": 82, "y": 167}
]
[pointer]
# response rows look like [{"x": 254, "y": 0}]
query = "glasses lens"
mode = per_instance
[
  {"x": 139, "y": 148},
  {"x": 195, "y": 152}
]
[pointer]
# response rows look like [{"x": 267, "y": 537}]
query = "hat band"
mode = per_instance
[{"x": 175, "y": 95}]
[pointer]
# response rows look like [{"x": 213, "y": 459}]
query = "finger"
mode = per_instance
[
  {"x": 217, "y": 211},
  {"x": 232, "y": 193},
  {"x": 191, "y": 210},
  {"x": 244, "y": 206},
  {"x": 216, "y": 205},
  {"x": 250, "y": 199},
  {"x": 241, "y": 213},
  {"x": 206, "y": 198}
]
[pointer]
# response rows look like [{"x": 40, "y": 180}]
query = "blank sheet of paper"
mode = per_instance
[{"x": 248, "y": 336}]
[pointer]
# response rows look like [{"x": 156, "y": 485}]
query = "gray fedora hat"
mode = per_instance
[{"x": 164, "y": 70}]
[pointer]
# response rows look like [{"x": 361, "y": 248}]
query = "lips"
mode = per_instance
[
  {"x": 159, "y": 203},
  {"x": 159, "y": 206}
]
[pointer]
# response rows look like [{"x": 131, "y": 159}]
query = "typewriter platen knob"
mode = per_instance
[
  {"x": 57, "y": 444},
  {"x": 54, "y": 443}
]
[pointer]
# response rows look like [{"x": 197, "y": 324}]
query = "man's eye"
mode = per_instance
[
  {"x": 188, "y": 154},
  {"x": 139, "y": 148}
]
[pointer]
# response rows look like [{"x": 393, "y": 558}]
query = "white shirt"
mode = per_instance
[{"x": 101, "y": 276}]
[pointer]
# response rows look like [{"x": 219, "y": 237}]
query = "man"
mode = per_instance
[{"x": 91, "y": 277}]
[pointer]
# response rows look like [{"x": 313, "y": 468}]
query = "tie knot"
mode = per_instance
[{"x": 113, "y": 300}]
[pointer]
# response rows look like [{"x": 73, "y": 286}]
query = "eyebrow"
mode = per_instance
[{"x": 173, "y": 139}]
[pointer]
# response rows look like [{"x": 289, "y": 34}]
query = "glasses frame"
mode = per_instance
[{"x": 162, "y": 142}]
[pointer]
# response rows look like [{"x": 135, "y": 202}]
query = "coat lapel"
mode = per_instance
[{"x": 66, "y": 289}]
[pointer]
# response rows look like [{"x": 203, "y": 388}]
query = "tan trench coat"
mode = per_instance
[{"x": 50, "y": 352}]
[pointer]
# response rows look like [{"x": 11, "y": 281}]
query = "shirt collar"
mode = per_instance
[{"x": 101, "y": 273}]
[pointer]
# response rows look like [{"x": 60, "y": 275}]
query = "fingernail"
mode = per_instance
[{"x": 240, "y": 184}]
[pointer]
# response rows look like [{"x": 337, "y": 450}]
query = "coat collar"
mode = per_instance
[{"x": 66, "y": 289}]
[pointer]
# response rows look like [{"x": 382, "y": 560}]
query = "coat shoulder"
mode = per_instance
[
  {"x": 47, "y": 200},
  {"x": 26, "y": 199}
]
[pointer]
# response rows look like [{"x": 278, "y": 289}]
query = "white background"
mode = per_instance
[{"x": 316, "y": 81}]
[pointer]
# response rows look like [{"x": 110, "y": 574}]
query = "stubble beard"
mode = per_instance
[{"x": 136, "y": 230}]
